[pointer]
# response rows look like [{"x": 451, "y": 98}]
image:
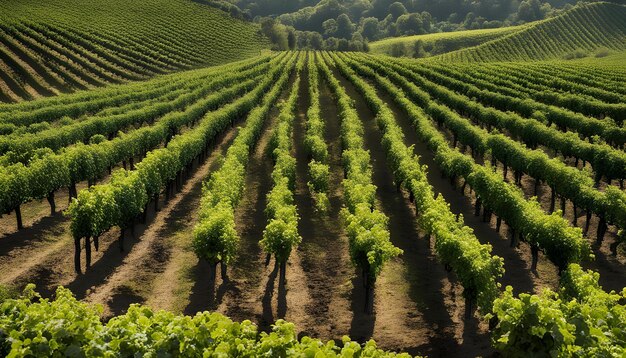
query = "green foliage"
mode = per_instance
[
  {"x": 365, "y": 225},
  {"x": 47, "y": 171},
  {"x": 319, "y": 176},
  {"x": 215, "y": 237},
  {"x": 581, "y": 320},
  {"x": 281, "y": 232},
  {"x": 586, "y": 28},
  {"x": 369, "y": 238},
  {"x": 63, "y": 327},
  {"x": 315, "y": 143},
  {"x": 455, "y": 244},
  {"x": 118, "y": 202},
  {"x": 66, "y": 327},
  {"x": 566, "y": 180}
]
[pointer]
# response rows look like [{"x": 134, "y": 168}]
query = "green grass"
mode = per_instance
[
  {"x": 614, "y": 59},
  {"x": 439, "y": 43},
  {"x": 580, "y": 32},
  {"x": 49, "y": 47}
]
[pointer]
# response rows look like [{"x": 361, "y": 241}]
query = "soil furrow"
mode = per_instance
[
  {"x": 134, "y": 280},
  {"x": 427, "y": 314}
]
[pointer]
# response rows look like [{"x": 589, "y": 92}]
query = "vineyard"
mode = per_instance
[
  {"x": 584, "y": 28},
  {"x": 595, "y": 29},
  {"x": 440, "y": 209},
  {"x": 53, "y": 47}
]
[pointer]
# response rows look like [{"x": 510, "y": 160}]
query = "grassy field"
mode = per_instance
[{"x": 439, "y": 43}]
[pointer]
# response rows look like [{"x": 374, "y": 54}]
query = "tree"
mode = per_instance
[
  {"x": 529, "y": 10},
  {"x": 418, "y": 49},
  {"x": 316, "y": 41},
  {"x": 343, "y": 45},
  {"x": 331, "y": 43},
  {"x": 356, "y": 44},
  {"x": 369, "y": 28},
  {"x": 276, "y": 32},
  {"x": 380, "y": 7},
  {"x": 358, "y": 7},
  {"x": 410, "y": 24},
  {"x": 397, "y": 9},
  {"x": 291, "y": 39},
  {"x": 325, "y": 10},
  {"x": 330, "y": 27},
  {"x": 345, "y": 28},
  {"x": 387, "y": 27},
  {"x": 302, "y": 39}
]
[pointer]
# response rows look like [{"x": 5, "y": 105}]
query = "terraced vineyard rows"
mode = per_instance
[
  {"x": 47, "y": 48},
  {"x": 332, "y": 166},
  {"x": 583, "y": 28}
]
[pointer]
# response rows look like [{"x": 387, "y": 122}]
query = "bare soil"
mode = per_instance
[
  {"x": 426, "y": 316},
  {"x": 149, "y": 268},
  {"x": 418, "y": 307},
  {"x": 324, "y": 249},
  {"x": 248, "y": 291}
]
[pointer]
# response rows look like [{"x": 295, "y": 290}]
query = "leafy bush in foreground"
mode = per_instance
[
  {"x": 582, "y": 320},
  {"x": 39, "y": 327}
]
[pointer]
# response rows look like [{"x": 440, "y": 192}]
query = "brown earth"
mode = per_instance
[{"x": 418, "y": 306}]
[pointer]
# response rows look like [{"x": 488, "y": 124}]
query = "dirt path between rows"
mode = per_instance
[
  {"x": 517, "y": 261},
  {"x": 324, "y": 249},
  {"x": 149, "y": 271},
  {"x": 426, "y": 316},
  {"x": 248, "y": 291}
]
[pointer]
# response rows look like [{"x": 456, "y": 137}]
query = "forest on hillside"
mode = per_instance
[{"x": 349, "y": 25}]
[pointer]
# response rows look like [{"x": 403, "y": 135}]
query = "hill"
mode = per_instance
[
  {"x": 578, "y": 32},
  {"x": 48, "y": 47},
  {"x": 439, "y": 43}
]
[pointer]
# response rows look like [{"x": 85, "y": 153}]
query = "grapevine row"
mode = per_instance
[
  {"x": 127, "y": 194},
  {"x": 366, "y": 226},
  {"x": 60, "y": 47},
  {"x": 577, "y": 102},
  {"x": 84, "y": 103},
  {"x": 585, "y": 126},
  {"x": 215, "y": 238},
  {"x": 455, "y": 244},
  {"x": 47, "y": 172},
  {"x": 587, "y": 27},
  {"x": 281, "y": 232},
  {"x": 315, "y": 143},
  {"x": 606, "y": 161},
  {"x": 564, "y": 180},
  {"x": 548, "y": 233},
  {"x": 80, "y": 131}
]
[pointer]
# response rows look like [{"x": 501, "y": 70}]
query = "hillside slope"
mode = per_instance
[
  {"x": 439, "y": 43},
  {"x": 586, "y": 28},
  {"x": 48, "y": 46}
]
